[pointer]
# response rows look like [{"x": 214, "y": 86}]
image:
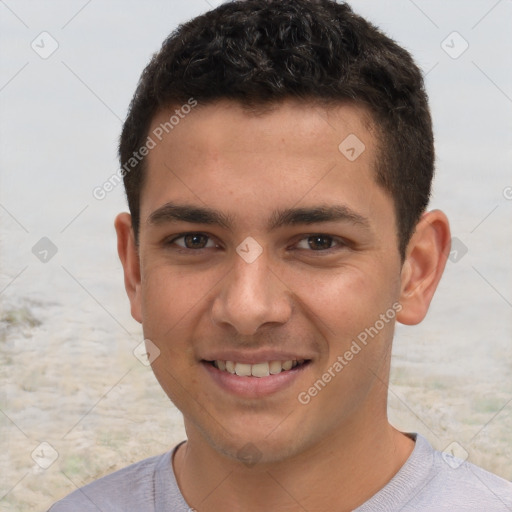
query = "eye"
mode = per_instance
[
  {"x": 193, "y": 241},
  {"x": 319, "y": 243}
]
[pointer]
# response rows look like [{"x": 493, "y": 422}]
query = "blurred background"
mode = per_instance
[{"x": 75, "y": 401}]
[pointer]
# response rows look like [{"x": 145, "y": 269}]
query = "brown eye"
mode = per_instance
[
  {"x": 320, "y": 242},
  {"x": 317, "y": 243},
  {"x": 194, "y": 241}
]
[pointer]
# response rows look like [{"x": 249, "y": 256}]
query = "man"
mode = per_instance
[{"x": 277, "y": 159}]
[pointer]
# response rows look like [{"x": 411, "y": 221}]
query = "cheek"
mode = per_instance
[
  {"x": 342, "y": 301},
  {"x": 169, "y": 298}
]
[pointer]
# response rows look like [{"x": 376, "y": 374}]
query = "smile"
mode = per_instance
[{"x": 263, "y": 369}]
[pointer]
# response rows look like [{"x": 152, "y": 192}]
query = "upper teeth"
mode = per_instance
[{"x": 258, "y": 369}]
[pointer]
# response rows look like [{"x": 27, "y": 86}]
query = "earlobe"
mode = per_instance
[
  {"x": 129, "y": 256},
  {"x": 423, "y": 267}
]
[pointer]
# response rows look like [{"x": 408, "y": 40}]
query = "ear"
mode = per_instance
[
  {"x": 423, "y": 267},
  {"x": 129, "y": 256}
]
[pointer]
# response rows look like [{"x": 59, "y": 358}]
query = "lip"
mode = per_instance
[
  {"x": 260, "y": 356},
  {"x": 253, "y": 387}
]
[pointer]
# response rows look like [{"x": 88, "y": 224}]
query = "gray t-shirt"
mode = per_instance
[{"x": 428, "y": 481}]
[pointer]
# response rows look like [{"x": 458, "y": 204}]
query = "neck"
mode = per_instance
[{"x": 347, "y": 468}]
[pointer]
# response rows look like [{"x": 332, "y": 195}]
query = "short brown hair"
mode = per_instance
[{"x": 259, "y": 52}]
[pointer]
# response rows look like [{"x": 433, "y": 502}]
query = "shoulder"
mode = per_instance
[
  {"x": 459, "y": 482},
  {"x": 449, "y": 483},
  {"x": 133, "y": 486},
  {"x": 432, "y": 480}
]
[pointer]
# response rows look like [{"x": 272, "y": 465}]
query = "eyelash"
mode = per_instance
[{"x": 340, "y": 243}]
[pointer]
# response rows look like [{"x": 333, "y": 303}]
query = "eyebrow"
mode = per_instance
[
  {"x": 171, "y": 212},
  {"x": 336, "y": 213}
]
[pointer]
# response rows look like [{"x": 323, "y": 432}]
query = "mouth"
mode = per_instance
[
  {"x": 250, "y": 375},
  {"x": 260, "y": 369}
]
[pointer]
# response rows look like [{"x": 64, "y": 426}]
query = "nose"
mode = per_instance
[{"x": 251, "y": 296}]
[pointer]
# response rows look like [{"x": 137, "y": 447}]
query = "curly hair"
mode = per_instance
[{"x": 261, "y": 52}]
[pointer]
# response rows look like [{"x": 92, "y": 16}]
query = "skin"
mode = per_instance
[{"x": 305, "y": 297}]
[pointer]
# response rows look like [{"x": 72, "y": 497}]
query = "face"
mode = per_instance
[{"x": 263, "y": 245}]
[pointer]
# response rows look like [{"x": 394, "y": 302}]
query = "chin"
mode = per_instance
[{"x": 252, "y": 447}]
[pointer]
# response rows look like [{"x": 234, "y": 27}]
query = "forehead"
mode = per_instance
[
  {"x": 290, "y": 153},
  {"x": 290, "y": 125}
]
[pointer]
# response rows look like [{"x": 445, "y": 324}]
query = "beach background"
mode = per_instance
[{"x": 75, "y": 402}]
